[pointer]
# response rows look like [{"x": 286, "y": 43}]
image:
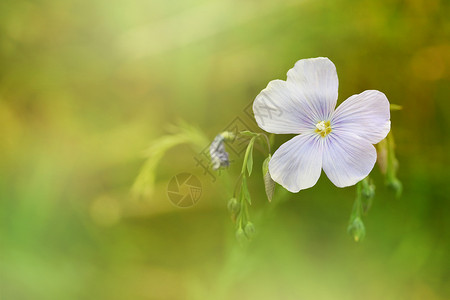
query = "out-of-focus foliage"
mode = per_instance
[
  {"x": 87, "y": 86},
  {"x": 182, "y": 134}
]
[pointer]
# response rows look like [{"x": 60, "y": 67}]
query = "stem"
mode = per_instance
[
  {"x": 358, "y": 199},
  {"x": 357, "y": 205},
  {"x": 355, "y": 225},
  {"x": 236, "y": 185},
  {"x": 267, "y": 140}
]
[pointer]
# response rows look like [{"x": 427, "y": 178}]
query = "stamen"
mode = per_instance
[{"x": 323, "y": 128}]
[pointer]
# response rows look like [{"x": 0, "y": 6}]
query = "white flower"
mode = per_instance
[{"x": 339, "y": 141}]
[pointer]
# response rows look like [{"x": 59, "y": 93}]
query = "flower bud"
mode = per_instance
[
  {"x": 396, "y": 186},
  {"x": 240, "y": 236},
  {"x": 356, "y": 229},
  {"x": 249, "y": 230},
  {"x": 233, "y": 206},
  {"x": 219, "y": 157}
]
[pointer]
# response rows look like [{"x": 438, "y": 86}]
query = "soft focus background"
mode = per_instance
[{"x": 87, "y": 86}]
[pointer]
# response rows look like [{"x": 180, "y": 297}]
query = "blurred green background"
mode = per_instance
[{"x": 87, "y": 86}]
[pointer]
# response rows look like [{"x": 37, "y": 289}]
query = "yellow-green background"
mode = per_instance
[{"x": 87, "y": 86}]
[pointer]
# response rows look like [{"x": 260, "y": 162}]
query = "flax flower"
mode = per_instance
[{"x": 339, "y": 141}]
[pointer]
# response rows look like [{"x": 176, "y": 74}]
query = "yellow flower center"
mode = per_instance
[{"x": 323, "y": 128}]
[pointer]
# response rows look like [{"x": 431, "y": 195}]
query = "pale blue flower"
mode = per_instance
[{"x": 338, "y": 140}]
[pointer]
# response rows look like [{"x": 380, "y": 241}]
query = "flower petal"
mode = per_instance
[
  {"x": 366, "y": 115},
  {"x": 317, "y": 81},
  {"x": 279, "y": 109},
  {"x": 347, "y": 158},
  {"x": 297, "y": 164}
]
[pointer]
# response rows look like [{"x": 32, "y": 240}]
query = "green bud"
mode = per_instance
[
  {"x": 356, "y": 229},
  {"x": 396, "y": 186},
  {"x": 240, "y": 236},
  {"x": 368, "y": 191},
  {"x": 249, "y": 230},
  {"x": 233, "y": 206}
]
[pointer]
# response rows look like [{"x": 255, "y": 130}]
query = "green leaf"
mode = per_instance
[
  {"x": 248, "y": 157},
  {"x": 248, "y": 133},
  {"x": 250, "y": 162}
]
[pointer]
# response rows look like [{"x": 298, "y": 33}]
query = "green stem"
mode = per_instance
[
  {"x": 236, "y": 185},
  {"x": 267, "y": 141},
  {"x": 357, "y": 206},
  {"x": 356, "y": 226}
]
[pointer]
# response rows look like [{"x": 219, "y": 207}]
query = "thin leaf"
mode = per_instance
[
  {"x": 246, "y": 157},
  {"x": 248, "y": 133},
  {"x": 250, "y": 162}
]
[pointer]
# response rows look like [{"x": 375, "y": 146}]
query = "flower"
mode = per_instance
[{"x": 338, "y": 140}]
